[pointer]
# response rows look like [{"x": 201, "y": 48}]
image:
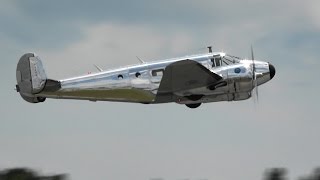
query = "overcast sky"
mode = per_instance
[{"x": 119, "y": 141}]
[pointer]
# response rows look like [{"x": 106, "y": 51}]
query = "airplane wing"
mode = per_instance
[{"x": 184, "y": 75}]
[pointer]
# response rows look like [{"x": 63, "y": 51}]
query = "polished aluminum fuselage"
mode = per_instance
[{"x": 140, "y": 83}]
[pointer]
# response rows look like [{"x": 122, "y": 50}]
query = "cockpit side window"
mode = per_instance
[
  {"x": 216, "y": 61},
  {"x": 212, "y": 60}
]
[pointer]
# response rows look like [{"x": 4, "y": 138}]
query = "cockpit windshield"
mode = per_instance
[
  {"x": 224, "y": 60},
  {"x": 230, "y": 59}
]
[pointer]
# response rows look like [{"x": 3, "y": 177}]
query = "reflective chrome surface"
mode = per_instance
[{"x": 140, "y": 83}]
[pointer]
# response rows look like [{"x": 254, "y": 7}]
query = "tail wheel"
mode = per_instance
[{"x": 193, "y": 106}]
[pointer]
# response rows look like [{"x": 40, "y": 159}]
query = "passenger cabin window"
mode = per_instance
[
  {"x": 138, "y": 74},
  {"x": 157, "y": 72},
  {"x": 120, "y": 76}
]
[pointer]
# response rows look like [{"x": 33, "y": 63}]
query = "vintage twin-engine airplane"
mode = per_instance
[{"x": 189, "y": 80}]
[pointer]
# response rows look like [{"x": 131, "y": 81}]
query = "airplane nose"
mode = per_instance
[{"x": 272, "y": 71}]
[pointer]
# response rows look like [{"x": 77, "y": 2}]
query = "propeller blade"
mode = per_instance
[
  {"x": 252, "y": 55},
  {"x": 253, "y": 69},
  {"x": 256, "y": 87},
  {"x": 254, "y": 77}
]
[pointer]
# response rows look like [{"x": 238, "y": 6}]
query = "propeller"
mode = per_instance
[{"x": 254, "y": 77}]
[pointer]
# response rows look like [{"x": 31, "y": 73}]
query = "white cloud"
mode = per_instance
[
  {"x": 111, "y": 45},
  {"x": 313, "y": 12}
]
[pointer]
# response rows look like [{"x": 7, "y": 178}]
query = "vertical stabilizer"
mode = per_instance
[{"x": 31, "y": 77}]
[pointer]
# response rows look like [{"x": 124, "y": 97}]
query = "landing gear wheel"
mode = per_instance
[
  {"x": 196, "y": 97},
  {"x": 41, "y": 99},
  {"x": 193, "y": 106}
]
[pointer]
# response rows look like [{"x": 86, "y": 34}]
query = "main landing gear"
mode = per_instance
[{"x": 193, "y": 106}]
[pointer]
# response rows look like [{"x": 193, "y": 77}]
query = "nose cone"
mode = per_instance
[{"x": 272, "y": 71}]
